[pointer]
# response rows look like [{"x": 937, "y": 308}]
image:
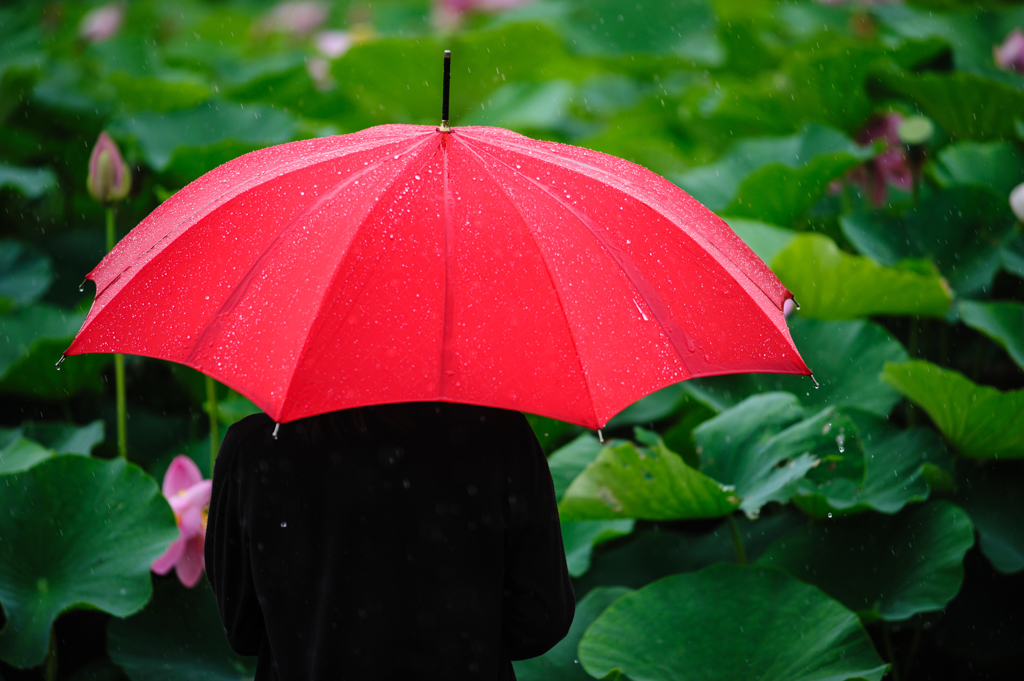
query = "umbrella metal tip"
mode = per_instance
[{"x": 447, "y": 54}]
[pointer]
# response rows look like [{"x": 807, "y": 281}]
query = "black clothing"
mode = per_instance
[{"x": 383, "y": 552}]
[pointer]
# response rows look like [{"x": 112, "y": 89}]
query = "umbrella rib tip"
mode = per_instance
[{"x": 277, "y": 428}]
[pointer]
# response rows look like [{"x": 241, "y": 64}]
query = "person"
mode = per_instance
[{"x": 412, "y": 541}]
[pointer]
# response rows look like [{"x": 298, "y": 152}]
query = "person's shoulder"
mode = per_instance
[{"x": 252, "y": 426}]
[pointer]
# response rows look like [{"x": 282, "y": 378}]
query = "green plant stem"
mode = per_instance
[
  {"x": 50, "y": 665},
  {"x": 893, "y": 667},
  {"x": 110, "y": 229},
  {"x": 909, "y": 662},
  {"x": 211, "y": 400},
  {"x": 122, "y": 405},
  {"x": 737, "y": 540}
]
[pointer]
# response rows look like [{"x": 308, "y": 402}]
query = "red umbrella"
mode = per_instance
[{"x": 409, "y": 263}]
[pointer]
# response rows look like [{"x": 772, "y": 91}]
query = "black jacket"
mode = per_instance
[{"x": 429, "y": 549}]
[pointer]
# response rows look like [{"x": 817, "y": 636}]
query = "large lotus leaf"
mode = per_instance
[
  {"x": 775, "y": 179},
  {"x": 77, "y": 532},
  {"x": 193, "y": 141},
  {"x": 961, "y": 230},
  {"x": 991, "y": 495},
  {"x": 898, "y": 467},
  {"x": 996, "y": 166},
  {"x": 1012, "y": 256},
  {"x": 981, "y": 422},
  {"x": 650, "y": 554},
  {"x": 552, "y": 433},
  {"x": 133, "y": 66},
  {"x": 729, "y": 622},
  {"x": 25, "y": 274},
  {"x": 527, "y": 106},
  {"x": 767, "y": 241},
  {"x": 561, "y": 662},
  {"x": 569, "y": 461},
  {"x": 177, "y": 636},
  {"x": 605, "y": 28},
  {"x": 831, "y": 284},
  {"x": 1003, "y": 322},
  {"x": 19, "y": 453},
  {"x": 764, "y": 446},
  {"x": 882, "y": 567},
  {"x": 21, "y": 448},
  {"x": 846, "y": 357},
  {"x": 749, "y": 447},
  {"x": 36, "y": 337},
  {"x": 32, "y": 182},
  {"x": 650, "y": 483},
  {"x": 965, "y": 105},
  {"x": 580, "y": 539}
]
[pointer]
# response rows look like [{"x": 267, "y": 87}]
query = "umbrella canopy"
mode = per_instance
[{"x": 409, "y": 263}]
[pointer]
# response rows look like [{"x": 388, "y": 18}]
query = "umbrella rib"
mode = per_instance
[
  {"x": 447, "y": 358},
  {"x": 306, "y": 344},
  {"x": 644, "y": 289},
  {"x": 657, "y": 206},
  {"x": 245, "y": 282},
  {"x": 551, "y": 278}
]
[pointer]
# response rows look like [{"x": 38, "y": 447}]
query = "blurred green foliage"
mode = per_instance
[{"x": 859, "y": 501}]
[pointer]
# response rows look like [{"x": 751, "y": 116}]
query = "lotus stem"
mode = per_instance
[
  {"x": 122, "y": 407},
  {"x": 737, "y": 540},
  {"x": 50, "y": 665}
]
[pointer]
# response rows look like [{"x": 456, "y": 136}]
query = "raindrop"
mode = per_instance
[
  {"x": 81, "y": 287},
  {"x": 829, "y": 515},
  {"x": 286, "y": 524}
]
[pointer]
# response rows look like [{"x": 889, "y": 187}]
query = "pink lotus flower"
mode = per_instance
[
  {"x": 109, "y": 178},
  {"x": 448, "y": 13},
  {"x": 189, "y": 496},
  {"x": 101, "y": 23},
  {"x": 891, "y": 167},
  {"x": 1010, "y": 55},
  {"x": 297, "y": 19},
  {"x": 333, "y": 44}
]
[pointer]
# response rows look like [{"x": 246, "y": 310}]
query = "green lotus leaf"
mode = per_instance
[
  {"x": 898, "y": 465},
  {"x": 991, "y": 495},
  {"x": 775, "y": 179},
  {"x": 561, "y": 663},
  {"x": 980, "y": 422},
  {"x": 655, "y": 552},
  {"x": 965, "y": 105},
  {"x": 25, "y": 274},
  {"x": 581, "y": 538},
  {"x": 763, "y": 447},
  {"x": 569, "y": 461},
  {"x": 177, "y": 636},
  {"x": 21, "y": 448},
  {"x": 1003, "y": 322},
  {"x": 831, "y": 284},
  {"x": 962, "y": 230},
  {"x": 32, "y": 182},
  {"x": 1012, "y": 256},
  {"x": 76, "y": 532},
  {"x": 650, "y": 483},
  {"x": 38, "y": 335},
  {"x": 846, "y": 357},
  {"x": 996, "y": 166},
  {"x": 654, "y": 407},
  {"x": 729, "y": 622},
  {"x": 882, "y": 567}
]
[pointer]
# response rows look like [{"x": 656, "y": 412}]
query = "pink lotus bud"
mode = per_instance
[
  {"x": 101, "y": 23},
  {"x": 333, "y": 44},
  {"x": 891, "y": 167},
  {"x": 1017, "y": 201},
  {"x": 1010, "y": 55},
  {"x": 109, "y": 179},
  {"x": 189, "y": 497},
  {"x": 297, "y": 19}
]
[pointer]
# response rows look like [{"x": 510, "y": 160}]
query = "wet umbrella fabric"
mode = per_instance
[{"x": 402, "y": 263}]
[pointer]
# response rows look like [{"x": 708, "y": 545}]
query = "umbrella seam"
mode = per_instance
[
  {"x": 306, "y": 343},
  {"x": 656, "y": 206},
  {"x": 236, "y": 295},
  {"x": 653, "y": 294},
  {"x": 558, "y": 295}
]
